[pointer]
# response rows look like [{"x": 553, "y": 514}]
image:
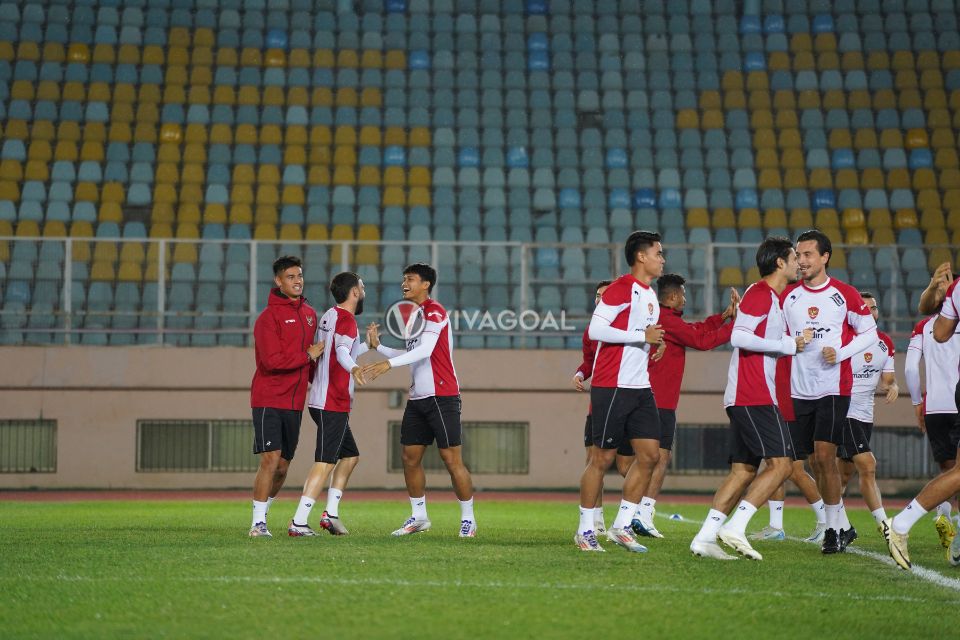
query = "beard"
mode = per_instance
[{"x": 359, "y": 307}]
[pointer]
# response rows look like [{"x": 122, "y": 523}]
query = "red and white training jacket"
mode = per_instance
[
  {"x": 867, "y": 367},
  {"x": 759, "y": 338},
  {"x": 840, "y": 319},
  {"x": 940, "y": 368},
  {"x": 332, "y": 388},
  {"x": 619, "y": 324},
  {"x": 430, "y": 354},
  {"x": 951, "y": 305}
]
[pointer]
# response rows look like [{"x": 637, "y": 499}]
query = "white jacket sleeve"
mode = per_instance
[
  {"x": 861, "y": 343},
  {"x": 388, "y": 351},
  {"x": 601, "y": 330},
  {"x": 344, "y": 358},
  {"x": 744, "y": 339},
  {"x": 912, "y": 373},
  {"x": 428, "y": 340}
]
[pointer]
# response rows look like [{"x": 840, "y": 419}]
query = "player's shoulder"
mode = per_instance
[
  {"x": 790, "y": 292},
  {"x": 433, "y": 311},
  {"x": 619, "y": 291},
  {"x": 757, "y": 298},
  {"x": 848, "y": 291},
  {"x": 885, "y": 339},
  {"x": 346, "y": 321},
  {"x": 953, "y": 287},
  {"x": 920, "y": 326}
]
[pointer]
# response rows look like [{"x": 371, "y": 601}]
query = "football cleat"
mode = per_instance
[
  {"x": 599, "y": 526},
  {"x": 709, "y": 550},
  {"x": 769, "y": 533},
  {"x": 333, "y": 525},
  {"x": 831, "y": 542},
  {"x": 295, "y": 530},
  {"x": 259, "y": 530},
  {"x": 625, "y": 539},
  {"x": 587, "y": 541},
  {"x": 816, "y": 537},
  {"x": 896, "y": 544},
  {"x": 847, "y": 536},
  {"x": 412, "y": 525},
  {"x": 468, "y": 529},
  {"x": 738, "y": 542},
  {"x": 645, "y": 529},
  {"x": 945, "y": 530},
  {"x": 953, "y": 553}
]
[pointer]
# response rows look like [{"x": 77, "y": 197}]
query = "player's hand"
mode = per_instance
[
  {"x": 373, "y": 335},
  {"x": 804, "y": 339},
  {"x": 653, "y": 334},
  {"x": 921, "y": 420},
  {"x": 357, "y": 373},
  {"x": 315, "y": 351},
  {"x": 373, "y": 371},
  {"x": 578, "y": 383},
  {"x": 893, "y": 392},
  {"x": 731, "y": 310},
  {"x": 658, "y": 354},
  {"x": 829, "y": 355}
]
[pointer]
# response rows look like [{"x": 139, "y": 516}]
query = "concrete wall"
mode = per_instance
[{"x": 96, "y": 395}]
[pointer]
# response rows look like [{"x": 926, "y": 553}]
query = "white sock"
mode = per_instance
[
  {"x": 586, "y": 520},
  {"x": 303, "y": 510},
  {"x": 626, "y": 513},
  {"x": 466, "y": 510},
  {"x": 269, "y": 503},
  {"x": 259, "y": 512},
  {"x": 844, "y": 521},
  {"x": 646, "y": 508},
  {"x": 879, "y": 515},
  {"x": 833, "y": 516},
  {"x": 776, "y": 513},
  {"x": 903, "y": 521},
  {"x": 419, "y": 507},
  {"x": 741, "y": 517},
  {"x": 333, "y": 502},
  {"x": 819, "y": 511},
  {"x": 944, "y": 509},
  {"x": 711, "y": 525},
  {"x": 598, "y": 516}
]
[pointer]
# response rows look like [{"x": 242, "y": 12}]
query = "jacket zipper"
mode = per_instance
[{"x": 303, "y": 334}]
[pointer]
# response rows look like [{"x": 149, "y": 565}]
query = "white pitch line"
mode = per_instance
[{"x": 929, "y": 575}]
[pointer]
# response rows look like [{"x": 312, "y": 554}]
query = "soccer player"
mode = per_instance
[
  {"x": 897, "y": 529},
  {"x": 584, "y": 371},
  {"x": 937, "y": 409},
  {"x": 625, "y": 325},
  {"x": 932, "y": 297},
  {"x": 433, "y": 410},
  {"x": 821, "y": 377},
  {"x": 758, "y": 431},
  {"x": 285, "y": 355},
  {"x": 329, "y": 401},
  {"x": 666, "y": 375},
  {"x": 872, "y": 369}
]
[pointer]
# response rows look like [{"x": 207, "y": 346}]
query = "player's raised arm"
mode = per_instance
[
  {"x": 936, "y": 291},
  {"x": 946, "y": 323}
]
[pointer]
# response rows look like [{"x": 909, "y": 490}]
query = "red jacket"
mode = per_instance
[
  {"x": 666, "y": 374},
  {"x": 282, "y": 334},
  {"x": 589, "y": 355}
]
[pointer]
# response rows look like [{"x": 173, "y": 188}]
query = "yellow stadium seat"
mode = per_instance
[
  {"x": 834, "y": 99},
  {"x": 859, "y": 99},
  {"x": 200, "y": 80},
  {"x": 319, "y": 175},
  {"x": 268, "y": 174},
  {"x": 865, "y": 139},
  {"x": 931, "y": 80},
  {"x": 936, "y": 236},
  {"x": 808, "y": 99},
  {"x": 291, "y": 233},
  {"x": 828, "y": 60},
  {"x": 872, "y": 178},
  {"x": 761, "y": 119},
  {"x": 938, "y": 256},
  {"x": 749, "y": 219},
  {"x": 295, "y": 134},
  {"x": 86, "y": 192},
  {"x": 266, "y": 214},
  {"x": 345, "y": 155},
  {"x": 190, "y": 194},
  {"x": 246, "y": 134},
  {"x": 419, "y": 197},
  {"x": 347, "y": 59},
  {"x": 39, "y": 150},
  {"x": 104, "y": 251},
  {"x": 104, "y": 53},
  {"x": 803, "y": 61},
  {"x": 943, "y": 139},
  {"x": 734, "y": 100},
  {"x": 877, "y": 60},
  {"x": 790, "y": 139},
  {"x": 924, "y": 179},
  {"x": 419, "y": 137},
  {"x": 419, "y": 177},
  {"x": 345, "y": 135},
  {"x": 294, "y": 154},
  {"x": 241, "y": 194},
  {"x": 174, "y": 93},
  {"x": 248, "y": 96},
  {"x": 250, "y": 57},
  {"x": 275, "y": 58},
  {"x": 846, "y": 179},
  {"x": 48, "y": 90},
  {"x": 201, "y": 58},
  {"x": 712, "y": 119},
  {"x": 710, "y": 99},
  {"x": 36, "y": 170},
  {"x": 767, "y": 159},
  {"x": 931, "y": 219},
  {"x": 94, "y": 132},
  {"x": 240, "y": 213},
  {"x": 697, "y": 218},
  {"x": 764, "y": 139},
  {"x": 324, "y": 58},
  {"x": 800, "y": 42},
  {"x": 371, "y": 59},
  {"x": 78, "y": 52},
  {"x": 121, "y": 112},
  {"x": 265, "y": 231},
  {"x": 394, "y": 197},
  {"x": 102, "y": 271},
  {"x": 223, "y": 94},
  {"x": 164, "y": 194},
  {"x": 884, "y": 99},
  {"x": 11, "y": 170},
  {"x": 298, "y": 96},
  {"x": 184, "y": 252},
  {"x": 320, "y": 135},
  {"x": 891, "y": 139},
  {"x": 937, "y": 117},
  {"x": 395, "y": 59},
  {"x": 946, "y": 159},
  {"x": 821, "y": 178},
  {"x": 794, "y": 179},
  {"x": 769, "y": 179},
  {"x": 170, "y": 133},
  {"x": 344, "y": 175},
  {"x": 853, "y": 219},
  {"x": 857, "y": 236},
  {"x": 898, "y": 179},
  {"x": 902, "y": 60},
  {"x": 825, "y": 42},
  {"x": 110, "y": 212},
  {"x": 227, "y": 57},
  {"x": 293, "y": 194},
  {"x": 221, "y": 134},
  {"x": 130, "y": 272},
  {"x": 906, "y": 219},
  {"x": 299, "y": 58},
  {"x": 370, "y": 136},
  {"x": 54, "y": 229},
  {"x": 65, "y": 150},
  {"x": 883, "y": 236},
  {"x": 168, "y": 152},
  {"x": 369, "y": 176},
  {"x": 841, "y": 139},
  {"x": 9, "y": 190},
  {"x": 928, "y": 199},
  {"x": 54, "y": 52},
  {"x": 22, "y": 90},
  {"x": 317, "y": 232},
  {"x": 753, "y": 275},
  {"x": 18, "y": 129},
  {"x": 906, "y": 79},
  {"x": 800, "y": 219},
  {"x": 92, "y": 151},
  {"x": 214, "y": 213},
  {"x": 394, "y": 177},
  {"x": 274, "y": 97},
  {"x": 730, "y": 277},
  {"x": 778, "y": 61},
  {"x": 6, "y": 51},
  {"x": 271, "y": 134},
  {"x": 758, "y": 81},
  {"x": 346, "y": 97}
]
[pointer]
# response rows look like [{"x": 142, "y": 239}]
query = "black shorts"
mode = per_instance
[
  {"x": 820, "y": 420},
  {"x": 276, "y": 429},
  {"x": 668, "y": 428},
  {"x": 856, "y": 439},
  {"x": 943, "y": 432},
  {"x": 621, "y": 415},
  {"x": 428, "y": 419},
  {"x": 756, "y": 433},
  {"x": 334, "y": 436},
  {"x": 588, "y": 432}
]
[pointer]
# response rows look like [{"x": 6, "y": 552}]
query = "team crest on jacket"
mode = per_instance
[
  {"x": 813, "y": 312},
  {"x": 309, "y": 321},
  {"x": 868, "y": 357},
  {"x": 649, "y": 307}
]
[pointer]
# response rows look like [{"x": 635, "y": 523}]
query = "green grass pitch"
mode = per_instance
[{"x": 163, "y": 569}]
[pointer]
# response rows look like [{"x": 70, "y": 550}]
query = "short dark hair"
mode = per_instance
[
  {"x": 283, "y": 263},
  {"x": 668, "y": 283},
  {"x": 602, "y": 284},
  {"x": 638, "y": 241},
  {"x": 342, "y": 283},
  {"x": 867, "y": 294},
  {"x": 823, "y": 242},
  {"x": 772, "y": 248},
  {"x": 425, "y": 271}
]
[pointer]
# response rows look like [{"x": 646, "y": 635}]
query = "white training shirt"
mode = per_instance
[
  {"x": 867, "y": 367},
  {"x": 940, "y": 368},
  {"x": 619, "y": 324}
]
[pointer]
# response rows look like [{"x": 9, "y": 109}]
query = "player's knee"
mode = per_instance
[
  {"x": 270, "y": 460},
  {"x": 866, "y": 465},
  {"x": 665, "y": 457}
]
